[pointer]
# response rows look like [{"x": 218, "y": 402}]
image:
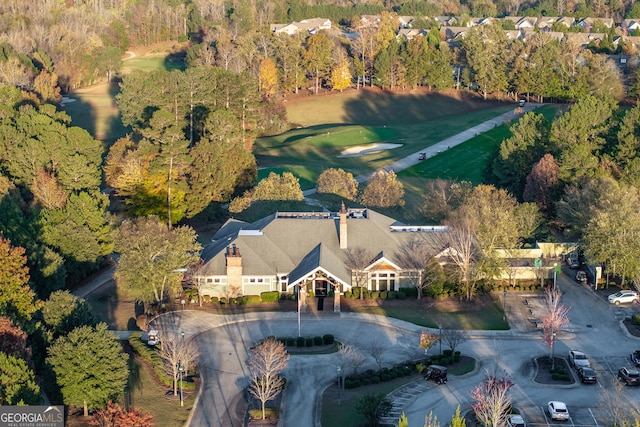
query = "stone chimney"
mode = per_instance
[
  {"x": 234, "y": 271},
  {"x": 343, "y": 227}
]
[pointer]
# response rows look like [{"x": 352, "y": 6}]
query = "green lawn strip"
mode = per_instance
[
  {"x": 151, "y": 63},
  {"x": 490, "y": 318},
  {"x": 143, "y": 392},
  {"x": 344, "y": 413}
]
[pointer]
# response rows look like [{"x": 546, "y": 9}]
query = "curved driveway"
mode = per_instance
[{"x": 225, "y": 342}]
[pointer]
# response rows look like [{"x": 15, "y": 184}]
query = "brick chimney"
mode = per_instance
[
  {"x": 234, "y": 271},
  {"x": 343, "y": 227}
]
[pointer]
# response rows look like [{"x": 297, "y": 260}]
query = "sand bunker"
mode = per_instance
[{"x": 363, "y": 150}]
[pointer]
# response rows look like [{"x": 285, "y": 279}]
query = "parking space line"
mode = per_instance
[
  {"x": 544, "y": 414},
  {"x": 593, "y": 416}
]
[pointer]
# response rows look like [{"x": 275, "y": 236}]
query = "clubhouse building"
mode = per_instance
[{"x": 309, "y": 250}]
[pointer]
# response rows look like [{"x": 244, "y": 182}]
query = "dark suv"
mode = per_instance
[{"x": 629, "y": 376}]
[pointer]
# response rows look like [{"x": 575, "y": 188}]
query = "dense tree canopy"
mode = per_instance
[
  {"x": 152, "y": 258},
  {"x": 90, "y": 366}
]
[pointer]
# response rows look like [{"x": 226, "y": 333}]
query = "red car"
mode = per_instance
[{"x": 629, "y": 376}]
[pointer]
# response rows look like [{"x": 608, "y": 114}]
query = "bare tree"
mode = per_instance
[
  {"x": 357, "y": 259},
  {"x": 266, "y": 362},
  {"x": 491, "y": 401},
  {"x": 349, "y": 359},
  {"x": 177, "y": 352},
  {"x": 459, "y": 245},
  {"x": 454, "y": 337},
  {"x": 414, "y": 256},
  {"x": 376, "y": 350},
  {"x": 555, "y": 318},
  {"x": 431, "y": 420},
  {"x": 615, "y": 403}
]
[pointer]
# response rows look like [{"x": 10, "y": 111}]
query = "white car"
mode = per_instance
[
  {"x": 515, "y": 421},
  {"x": 622, "y": 297},
  {"x": 558, "y": 410},
  {"x": 578, "y": 359}
]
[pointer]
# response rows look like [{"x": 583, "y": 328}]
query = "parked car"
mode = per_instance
[
  {"x": 622, "y": 297},
  {"x": 436, "y": 373},
  {"x": 635, "y": 357},
  {"x": 515, "y": 420},
  {"x": 578, "y": 359},
  {"x": 581, "y": 277},
  {"x": 587, "y": 375},
  {"x": 629, "y": 376},
  {"x": 573, "y": 262},
  {"x": 558, "y": 410}
]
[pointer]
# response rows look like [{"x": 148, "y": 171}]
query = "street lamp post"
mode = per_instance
[
  {"x": 339, "y": 384},
  {"x": 440, "y": 338},
  {"x": 183, "y": 302},
  {"x": 504, "y": 302},
  {"x": 180, "y": 369},
  {"x": 298, "y": 311},
  {"x": 553, "y": 343}
]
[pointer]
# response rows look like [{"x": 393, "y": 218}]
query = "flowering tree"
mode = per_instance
[
  {"x": 427, "y": 340},
  {"x": 555, "y": 319},
  {"x": 491, "y": 401}
]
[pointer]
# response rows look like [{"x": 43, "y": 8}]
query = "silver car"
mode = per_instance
[
  {"x": 578, "y": 359},
  {"x": 622, "y": 297}
]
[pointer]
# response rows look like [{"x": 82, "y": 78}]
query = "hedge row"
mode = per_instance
[
  {"x": 151, "y": 356},
  {"x": 382, "y": 375},
  {"x": 326, "y": 339}
]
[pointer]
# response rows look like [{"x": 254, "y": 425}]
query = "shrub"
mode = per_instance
[
  {"x": 348, "y": 294},
  {"x": 233, "y": 301},
  {"x": 385, "y": 377},
  {"x": 456, "y": 356},
  {"x": 214, "y": 300},
  {"x": 310, "y": 294},
  {"x": 375, "y": 295},
  {"x": 410, "y": 292},
  {"x": 141, "y": 322},
  {"x": 270, "y": 296},
  {"x": 447, "y": 353},
  {"x": 435, "y": 359},
  {"x": 384, "y": 295},
  {"x": 291, "y": 342},
  {"x": 445, "y": 361},
  {"x": 300, "y": 342},
  {"x": 253, "y": 299},
  {"x": 635, "y": 319},
  {"x": 328, "y": 339},
  {"x": 401, "y": 295},
  {"x": 356, "y": 292},
  {"x": 367, "y": 381},
  {"x": 206, "y": 298},
  {"x": 393, "y": 294},
  {"x": 317, "y": 340},
  {"x": 375, "y": 379},
  {"x": 308, "y": 342},
  {"x": 420, "y": 367},
  {"x": 366, "y": 294},
  {"x": 349, "y": 384},
  {"x": 223, "y": 300}
]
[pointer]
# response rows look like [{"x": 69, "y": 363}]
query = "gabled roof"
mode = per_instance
[
  {"x": 320, "y": 259},
  {"x": 298, "y": 242}
]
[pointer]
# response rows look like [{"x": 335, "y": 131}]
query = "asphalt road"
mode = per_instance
[{"x": 594, "y": 328}]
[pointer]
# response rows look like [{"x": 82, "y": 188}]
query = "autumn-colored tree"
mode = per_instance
[
  {"x": 427, "y": 340},
  {"x": 266, "y": 361},
  {"x": 555, "y": 318},
  {"x": 441, "y": 197},
  {"x": 115, "y": 415},
  {"x": 13, "y": 340},
  {"x": 268, "y": 77},
  {"x": 47, "y": 192},
  {"x": 337, "y": 181},
  {"x": 542, "y": 183},
  {"x": 341, "y": 76},
  {"x": 383, "y": 189},
  {"x": 17, "y": 300},
  {"x": 491, "y": 400}
]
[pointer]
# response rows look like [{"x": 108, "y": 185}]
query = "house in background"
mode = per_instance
[
  {"x": 287, "y": 251},
  {"x": 310, "y": 26}
]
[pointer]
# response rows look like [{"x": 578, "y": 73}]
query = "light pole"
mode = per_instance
[
  {"x": 183, "y": 302},
  {"x": 339, "y": 384},
  {"x": 180, "y": 368},
  {"x": 440, "y": 338},
  {"x": 182, "y": 334},
  {"x": 298, "y": 311},
  {"x": 504, "y": 302},
  {"x": 553, "y": 343},
  {"x": 555, "y": 273}
]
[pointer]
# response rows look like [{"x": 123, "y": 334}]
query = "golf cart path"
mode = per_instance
[{"x": 445, "y": 144}]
